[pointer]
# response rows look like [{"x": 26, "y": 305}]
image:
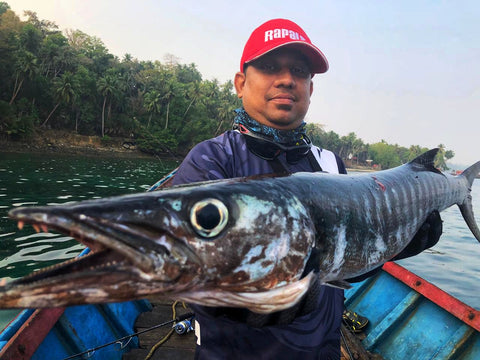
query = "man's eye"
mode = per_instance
[
  {"x": 301, "y": 71},
  {"x": 269, "y": 67}
]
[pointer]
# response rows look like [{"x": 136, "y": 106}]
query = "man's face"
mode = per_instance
[{"x": 275, "y": 89}]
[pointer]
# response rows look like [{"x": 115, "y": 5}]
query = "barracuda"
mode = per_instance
[{"x": 238, "y": 242}]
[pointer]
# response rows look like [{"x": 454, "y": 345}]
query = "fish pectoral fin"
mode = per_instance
[{"x": 340, "y": 284}]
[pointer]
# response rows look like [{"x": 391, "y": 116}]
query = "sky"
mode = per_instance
[{"x": 406, "y": 72}]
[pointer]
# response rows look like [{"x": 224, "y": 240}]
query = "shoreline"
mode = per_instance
[
  {"x": 61, "y": 142},
  {"x": 359, "y": 169}
]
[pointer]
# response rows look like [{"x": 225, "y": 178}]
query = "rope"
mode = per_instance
[
  {"x": 166, "y": 337},
  {"x": 158, "y": 344}
]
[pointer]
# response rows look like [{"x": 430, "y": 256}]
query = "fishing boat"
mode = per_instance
[{"x": 409, "y": 318}]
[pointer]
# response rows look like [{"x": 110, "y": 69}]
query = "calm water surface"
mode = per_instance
[{"x": 27, "y": 179}]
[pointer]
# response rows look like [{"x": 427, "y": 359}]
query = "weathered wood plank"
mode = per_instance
[{"x": 352, "y": 345}]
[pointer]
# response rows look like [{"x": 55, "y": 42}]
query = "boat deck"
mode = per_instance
[{"x": 182, "y": 347}]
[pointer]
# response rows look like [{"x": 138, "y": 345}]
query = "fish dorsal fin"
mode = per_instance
[{"x": 426, "y": 160}]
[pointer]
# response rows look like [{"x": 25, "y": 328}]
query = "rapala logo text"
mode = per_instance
[{"x": 282, "y": 33}]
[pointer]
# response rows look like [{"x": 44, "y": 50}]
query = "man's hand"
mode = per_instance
[{"x": 426, "y": 237}]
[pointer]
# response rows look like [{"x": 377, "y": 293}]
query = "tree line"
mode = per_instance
[
  {"x": 381, "y": 155},
  {"x": 69, "y": 81}
]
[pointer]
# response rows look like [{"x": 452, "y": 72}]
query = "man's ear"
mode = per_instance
[{"x": 239, "y": 83}]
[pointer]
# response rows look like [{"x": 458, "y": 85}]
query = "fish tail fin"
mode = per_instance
[
  {"x": 466, "y": 208},
  {"x": 471, "y": 172}
]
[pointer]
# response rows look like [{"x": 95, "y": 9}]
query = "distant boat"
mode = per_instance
[{"x": 458, "y": 172}]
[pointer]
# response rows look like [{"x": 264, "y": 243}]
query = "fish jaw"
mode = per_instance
[
  {"x": 113, "y": 271},
  {"x": 94, "y": 278}
]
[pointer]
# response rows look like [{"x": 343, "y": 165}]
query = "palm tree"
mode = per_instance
[
  {"x": 152, "y": 103},
  {"x": 64, "y": 92},
  {"x": 168, "y": 96},
  {"x": 225, "y": 112},
  {"x": 442, "y": 156},
  {"x": 193, "y": 92},
  {"x": 26, "y": 67},
  {"x": 414, "y": 151},
  {"x": 106, "y": 87}
]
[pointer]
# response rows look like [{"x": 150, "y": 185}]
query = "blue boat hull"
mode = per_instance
[
  {"x": 412, "y": 319},
  {"x": 59, "y": 333}
]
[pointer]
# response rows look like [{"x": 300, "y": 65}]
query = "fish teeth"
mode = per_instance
[{"x": 37, "y": 227}]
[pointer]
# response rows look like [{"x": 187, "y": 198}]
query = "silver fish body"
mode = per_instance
[{"x": 239, "y": 242}]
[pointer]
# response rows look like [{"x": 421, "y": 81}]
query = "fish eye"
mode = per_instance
[{"x": 208, "y": 217}]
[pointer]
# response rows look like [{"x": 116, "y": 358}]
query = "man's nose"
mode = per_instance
[{"x": 285, "y": 78}]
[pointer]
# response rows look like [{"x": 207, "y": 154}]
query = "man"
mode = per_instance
[{"x": 275, "y": 85}]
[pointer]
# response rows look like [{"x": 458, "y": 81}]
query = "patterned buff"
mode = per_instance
[{"x": 280, "y": 136}]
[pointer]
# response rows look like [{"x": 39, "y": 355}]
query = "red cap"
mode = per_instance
[{"x": 281, "y": 32}]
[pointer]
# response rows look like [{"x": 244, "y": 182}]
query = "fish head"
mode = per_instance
[{"x": 190, "y": 242}]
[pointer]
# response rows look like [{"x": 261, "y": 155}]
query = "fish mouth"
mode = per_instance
[{"x": 125, "y": 261}]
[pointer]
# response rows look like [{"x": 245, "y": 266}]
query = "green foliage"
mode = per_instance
[
  {"x": 106, "y": 140},
  {"x": 7, "y": 117},
  {"x": 15, "y": 121},
  {"x": 72, "y": 82},
  {"x": 348, "y": 147},
  {"x": 384, "y": 154},
  {"x": 157, "y": 141},
  {"x": 3, "y": 7}
]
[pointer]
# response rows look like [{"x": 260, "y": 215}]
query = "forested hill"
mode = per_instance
[{"x": 69, "y": 81}]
